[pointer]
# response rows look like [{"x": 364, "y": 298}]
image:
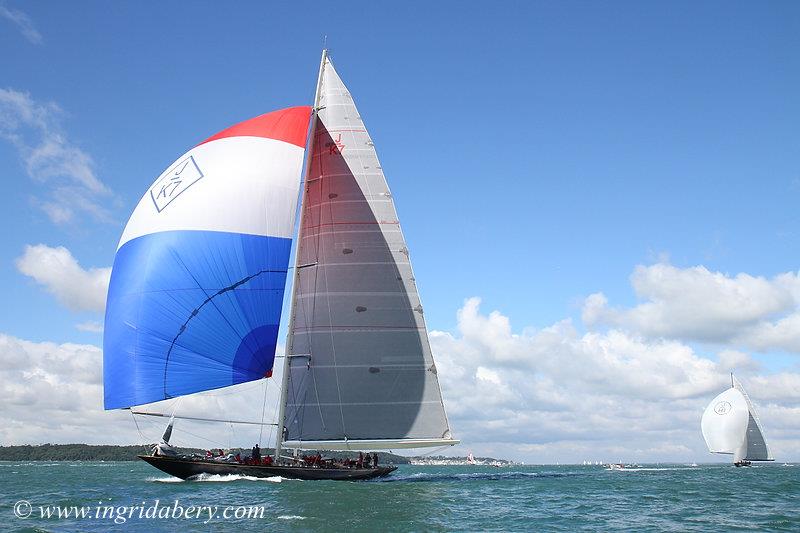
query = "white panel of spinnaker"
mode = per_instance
[{"x": 245, "y": 185}]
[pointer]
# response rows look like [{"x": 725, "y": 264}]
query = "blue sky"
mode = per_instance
[{"x": 537, "y": 151}]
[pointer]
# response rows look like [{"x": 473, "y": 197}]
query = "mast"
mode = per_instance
[{"x": 292, "y": 308}]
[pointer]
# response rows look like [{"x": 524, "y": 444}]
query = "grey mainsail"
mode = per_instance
[{"x": 361, "y": 373}]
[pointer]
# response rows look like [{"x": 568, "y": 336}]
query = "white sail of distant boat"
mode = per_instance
[
  {"x": 731, "y": 426},
  {"x": 470, "y": 459}
]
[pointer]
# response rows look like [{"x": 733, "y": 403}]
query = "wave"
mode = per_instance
[
  {"x": 216, "y": 478},
  {"x": 36, "y": 464},
  {"x": 164, "y": 479},
  {"x": 291, "y": 517},
  {"x": 473, "y": 476},
  {"x": 650, "y": 469}
]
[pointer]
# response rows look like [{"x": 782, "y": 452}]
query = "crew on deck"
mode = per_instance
[{"x": 364, "y": 461}]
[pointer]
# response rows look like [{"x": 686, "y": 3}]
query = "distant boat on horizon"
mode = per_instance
[{"x": 731, "y": 426}]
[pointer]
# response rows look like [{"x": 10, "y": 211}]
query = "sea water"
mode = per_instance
[{"x": 414, "y": 498}]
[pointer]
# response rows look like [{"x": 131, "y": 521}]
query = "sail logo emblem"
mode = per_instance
[
  {"x": 722, "y": 408},
  {"x": 174, "y": 181},
  {"x": 335, "y": 146}
]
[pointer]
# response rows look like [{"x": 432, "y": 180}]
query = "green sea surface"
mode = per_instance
[{"x": 414, "y": 498}]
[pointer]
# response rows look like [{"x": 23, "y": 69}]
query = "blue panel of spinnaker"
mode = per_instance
[{"x": 189, "y": 311}]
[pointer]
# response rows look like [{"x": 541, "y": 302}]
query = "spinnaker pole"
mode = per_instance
[{"x": 287, "y": 360}]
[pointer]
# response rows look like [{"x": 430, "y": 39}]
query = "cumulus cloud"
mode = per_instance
[
  {"x": 538, "y": 395},
  {"x": 53, "y": 392},
  {"x": 50, "y": 158},
  {"x": 558, "y": 394},
  {"x": 23, "y": 23},
  {"x": 90, "y": 326},
  {"x": 696, "y": 304},
  {"x": 730, "y": 360},
  {"x": 783, "y": 334},
  {"x": 60, "y": 274},
  {"x": 49, "y": 392}
]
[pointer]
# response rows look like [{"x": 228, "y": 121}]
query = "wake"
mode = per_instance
[
  {"x": 424, "y": 477},
  {"x": 651, "y": 469},
  {"x": 217, "y": 478}
]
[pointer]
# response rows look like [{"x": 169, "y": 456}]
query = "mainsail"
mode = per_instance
[
  {"x": 361, "y": 374},
  {"x": 197, "y": 284},
  {"x": 730, "y": 425}
]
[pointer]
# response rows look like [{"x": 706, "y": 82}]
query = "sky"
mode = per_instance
[{"x": 599, "y": 199}]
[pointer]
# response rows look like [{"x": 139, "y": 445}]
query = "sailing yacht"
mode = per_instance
[
  {"x": 731, "y": 426},
  {"x": 197, "y": 286}
]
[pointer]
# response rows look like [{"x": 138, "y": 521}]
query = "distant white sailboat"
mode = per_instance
[{"x": 731, "y": 426}]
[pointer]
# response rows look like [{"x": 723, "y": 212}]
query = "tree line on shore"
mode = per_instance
[{"x": 106, "y": 452}]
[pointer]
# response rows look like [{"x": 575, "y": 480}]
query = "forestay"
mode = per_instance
[{"x": 361, "y": 370}]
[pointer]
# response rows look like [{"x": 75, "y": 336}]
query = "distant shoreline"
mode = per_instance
[
  {"x": 109, "y": 452},
  {"x": 74, "y": 452}
]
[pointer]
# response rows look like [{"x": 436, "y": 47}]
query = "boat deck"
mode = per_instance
[{"x": 186, "y": 468}]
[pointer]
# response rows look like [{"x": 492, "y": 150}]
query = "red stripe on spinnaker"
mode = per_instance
[{"x": 289, "y": 125}]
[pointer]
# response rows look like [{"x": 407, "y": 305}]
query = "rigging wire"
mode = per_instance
[
  {"x": 227, "y": 391},
  {"x": 439, "y": 449},
  {"x": 141, "y": 436},
  {"x": 175, "y": 407},
  {"x": 181, "y": 429},
  {"x": 198, "y": 419},
  {"x": 274, "y": 411},
  {"x": 263, "y": 411},
  {"x": 317, "y": 245},
  {"x": 219, "y": 444}
]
